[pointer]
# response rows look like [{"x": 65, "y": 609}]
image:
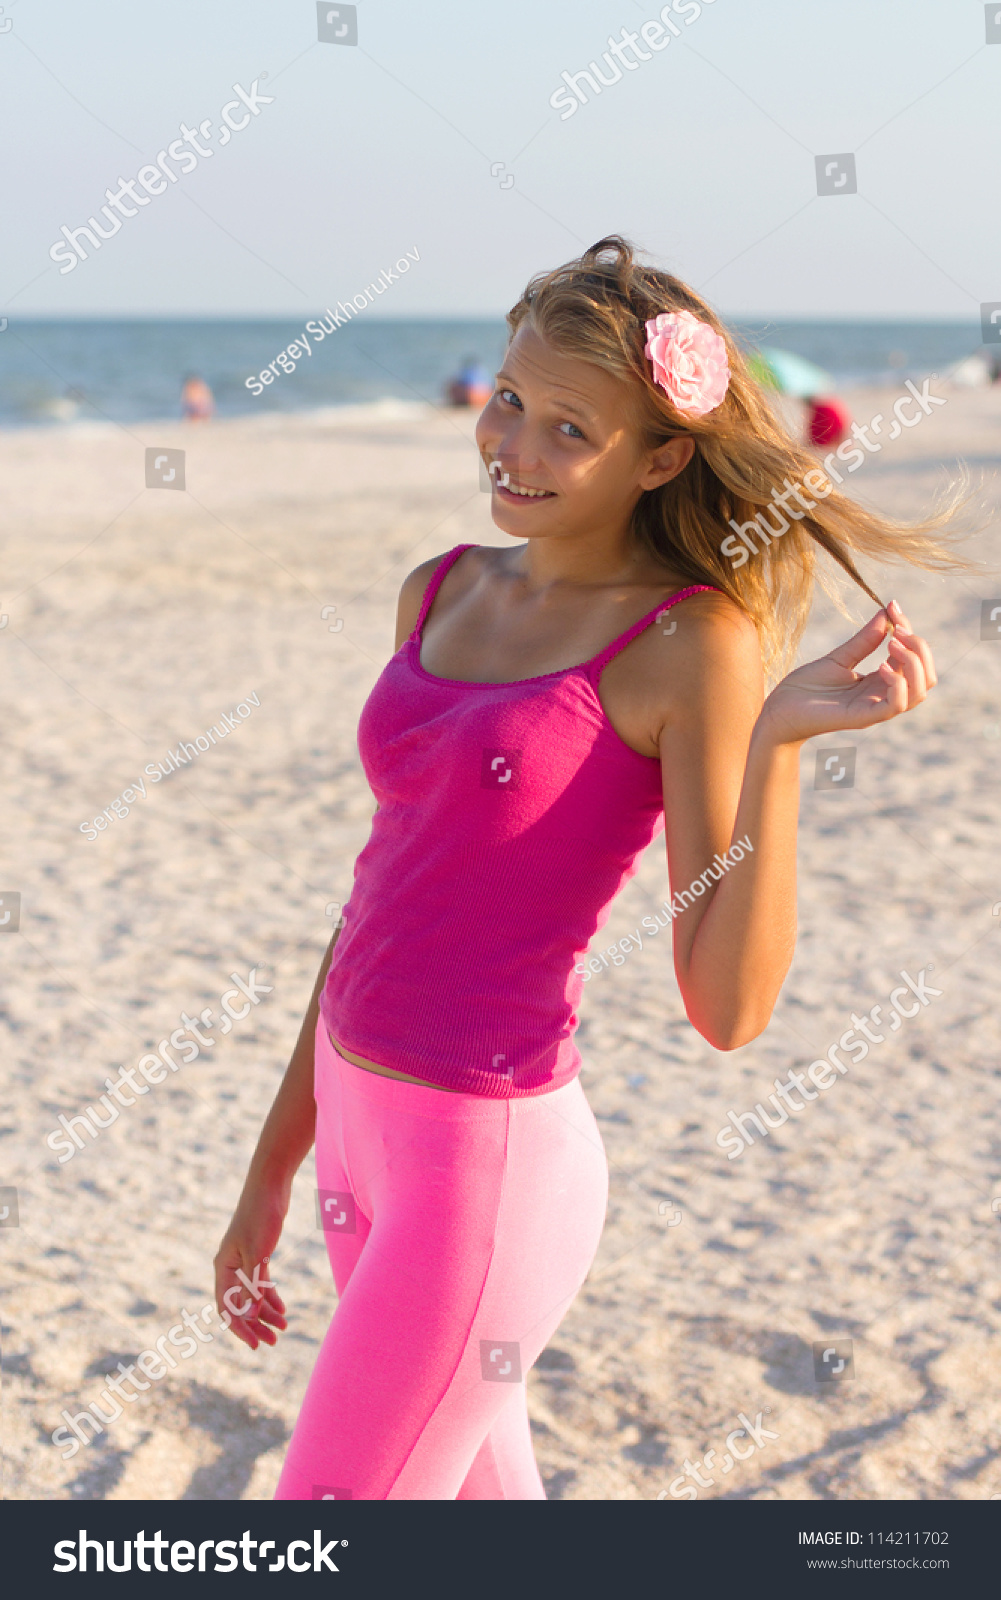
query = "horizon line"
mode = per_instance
[{"x": 480, "y": 317}]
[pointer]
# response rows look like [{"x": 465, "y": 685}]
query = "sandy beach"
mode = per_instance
[{"x": 867, "y": 1224}]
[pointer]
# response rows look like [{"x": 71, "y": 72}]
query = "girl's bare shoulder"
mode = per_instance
[
  {"x": 414, "y": 586},
  {"x": 701, "y": 652},
  {"x": 700, "y": 628},
  {"x": 714, "y": 648}
]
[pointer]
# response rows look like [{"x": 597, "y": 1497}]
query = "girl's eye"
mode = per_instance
[
  {"x": 509, "y": 397},
  {"x": 575, "y": 434}
]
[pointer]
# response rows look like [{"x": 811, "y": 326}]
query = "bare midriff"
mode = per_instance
[{"x": 385, "y": 1072}]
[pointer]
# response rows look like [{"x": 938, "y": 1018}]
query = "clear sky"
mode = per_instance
[{"x": 704, "y": 153}]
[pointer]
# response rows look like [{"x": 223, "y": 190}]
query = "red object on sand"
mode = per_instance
[
  {"x": 830, "y": 421},
  {"x": 468, "y": 394}
]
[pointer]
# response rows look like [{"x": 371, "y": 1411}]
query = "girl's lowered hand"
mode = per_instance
[
  {"x": 247, "y": 1302},
  {"x": 828, "y": 695}
]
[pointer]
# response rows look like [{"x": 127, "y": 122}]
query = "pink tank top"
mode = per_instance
[{"x": 509, "y": 816}]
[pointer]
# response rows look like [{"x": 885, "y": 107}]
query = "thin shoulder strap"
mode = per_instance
[
  {"x": 596, "y": 666},
  {"x": 437, "y": 577}
]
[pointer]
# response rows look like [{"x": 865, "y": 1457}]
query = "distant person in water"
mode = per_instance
[
  {"x": 197, "y": 403},
  {"x": 828, "y": 422},
  {"x": 64, "y": 407},
  {"x": 472, "y": 386}
]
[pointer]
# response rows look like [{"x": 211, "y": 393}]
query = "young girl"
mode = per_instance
[{"x": 550, "y": 706}]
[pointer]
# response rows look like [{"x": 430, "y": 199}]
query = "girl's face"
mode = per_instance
[{"x": 566, "y": 430}]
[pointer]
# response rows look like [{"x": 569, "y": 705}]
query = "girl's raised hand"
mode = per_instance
[{"x": 828, "y": 695}]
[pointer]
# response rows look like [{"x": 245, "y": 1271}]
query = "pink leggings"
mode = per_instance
[{"x": 459, "y": 1231}]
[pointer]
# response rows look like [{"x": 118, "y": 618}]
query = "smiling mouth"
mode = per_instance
[{"x": 520, "y": 491}]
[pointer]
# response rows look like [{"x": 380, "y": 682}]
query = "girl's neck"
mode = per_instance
[{"x": 586, "y": 561}]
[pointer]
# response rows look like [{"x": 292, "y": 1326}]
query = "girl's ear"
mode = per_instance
[{"x": 667, "y": 461}]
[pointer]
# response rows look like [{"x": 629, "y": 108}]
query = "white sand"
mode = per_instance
[{"x": 135, "y": 619}]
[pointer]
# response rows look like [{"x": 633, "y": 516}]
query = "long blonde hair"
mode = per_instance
[{"x": 596, "y": 308}]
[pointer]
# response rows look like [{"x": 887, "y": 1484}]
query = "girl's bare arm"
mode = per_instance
[
  {"x": 731, "y": 772},
  {"x": 285, "y": 1141}
]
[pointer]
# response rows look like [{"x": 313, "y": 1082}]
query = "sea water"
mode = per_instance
[{"x": 54, "y": 372}]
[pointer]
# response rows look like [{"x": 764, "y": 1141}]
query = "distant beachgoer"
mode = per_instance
[
  {"x": 829, "y": 421},
  {"x": 472, "y": 386},
  {"x": 64, "y": 407},
  {"x": 197, "y": 402}
]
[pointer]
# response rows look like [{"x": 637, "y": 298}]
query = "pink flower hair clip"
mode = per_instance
[{"x": 689, "y": 361}]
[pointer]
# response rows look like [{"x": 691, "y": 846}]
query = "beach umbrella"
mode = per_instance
[{"x": 790, "y": 374}]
